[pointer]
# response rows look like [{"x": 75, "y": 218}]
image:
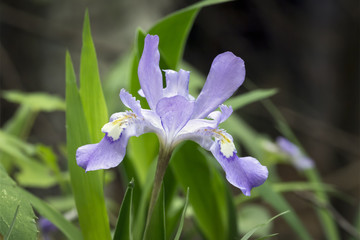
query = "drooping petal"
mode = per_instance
[
  {"x": 110, "y": 151},
  {"x": 177, "y": 83},
  {"x": 244, "y": 173},
  {"x": 226, "y": 74},
  {"x": 130, "y": 102},
  {"x": 149, "y": 72},
  {"x": 103, "y": 155},
  {"x": 174, "y": 113}
]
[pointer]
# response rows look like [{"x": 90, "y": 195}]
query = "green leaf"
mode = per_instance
[
  {"x": 87, "y": 187},
  {"x": 21, "y": 123},
  {"x": 251, "y": 232},
  {"x": 45, "y": 210},
  {"x": 36, "y": 101},
  {"x": 92, "y": 97},
  {"x": 232, "y": 214},
  {"x": 192, "y": 170},
  {"x": 32, "y": 173},
  {"x": 249, "y": 97},
  {"x": 181, "y": 224},
  {"x": 123, "y": 226},
  {"x": 12, "y": 200},
  {"x": 50, "y": 159},
  {"x": 173, "y": 31},
  {"x": 157, "y": 226}
]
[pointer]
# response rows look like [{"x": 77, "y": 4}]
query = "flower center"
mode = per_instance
[{"x": 114, "y": 129}]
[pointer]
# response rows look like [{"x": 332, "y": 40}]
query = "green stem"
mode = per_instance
[{"x": 163, "y": 161}]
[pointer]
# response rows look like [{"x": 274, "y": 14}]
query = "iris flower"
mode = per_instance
[
  {"x": 175, "y": 116},
  {"x": 297, "y": 158}
]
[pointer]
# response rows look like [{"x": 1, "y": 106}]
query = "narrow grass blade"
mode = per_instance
[
  {"x": 250, "y": 97},
  {"x": 181, "y": 224},
  {"x": 250, "y": 233},
  {"x": 12, "y": 223},
  {"x": 123, "y": 226}
]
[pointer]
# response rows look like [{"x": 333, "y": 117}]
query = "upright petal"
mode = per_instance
[
  {"x": 174, "y": 113},
  {"x": 149, "y": 72},
  {"x": 130, "y": 102},
  {"x": 226, "y": 74},
  {"x": 177, "y": 83},
  {"x": 220, "y": 117}
]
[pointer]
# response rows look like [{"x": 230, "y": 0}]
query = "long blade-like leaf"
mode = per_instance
[
  {"x": 87, "y": 187},
  {"x": 92, "y": 97}
]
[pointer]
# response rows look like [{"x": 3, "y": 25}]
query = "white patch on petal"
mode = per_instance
[
  {"x": 227, "y": 148},
  {"x": 114, "y": 129}
]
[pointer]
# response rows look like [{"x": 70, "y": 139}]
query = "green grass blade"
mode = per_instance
[
  {"x": 87, "y": 187},
  {"x": 181, "y": 224},
  {"x": 250, "y": 233},
  {"x": 327, "y": 221},
  {"x": 250, "y": 97},
  {"x": 92, "y": 97},
  {"x": 12, "y": 223},
  {"x": 123, "y": 226}
]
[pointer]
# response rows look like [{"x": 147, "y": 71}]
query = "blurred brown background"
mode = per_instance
[{"x": 309, "y": 50}]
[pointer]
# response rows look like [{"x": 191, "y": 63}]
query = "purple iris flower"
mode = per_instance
[
  {"x": 297, "y": 158},
  {"x": 175, "y": 116},
  {"x": 46, "y": 227}
]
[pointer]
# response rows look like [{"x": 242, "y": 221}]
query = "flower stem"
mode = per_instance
[{"x": 163, "y": 161}]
